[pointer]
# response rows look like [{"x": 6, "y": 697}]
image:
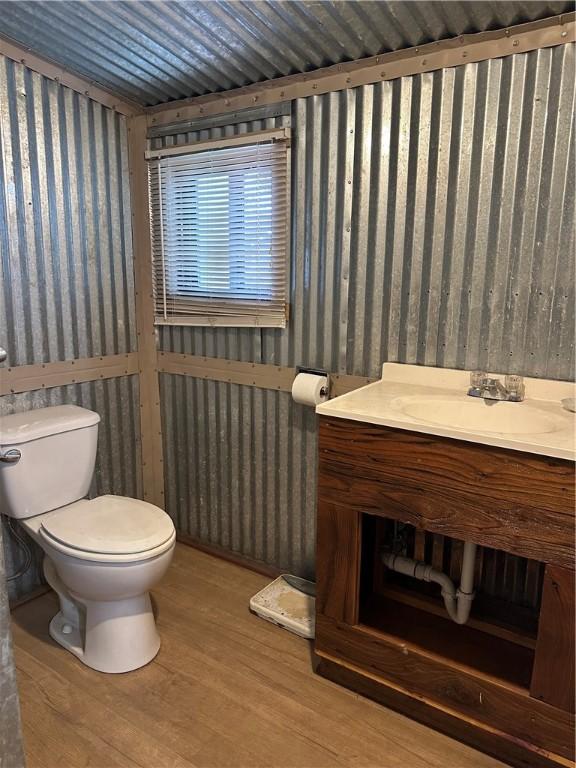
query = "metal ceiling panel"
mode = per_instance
[{"x": 154, "y": 52}]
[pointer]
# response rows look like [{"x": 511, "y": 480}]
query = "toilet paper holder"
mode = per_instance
[{"x": 316, "y": 372}]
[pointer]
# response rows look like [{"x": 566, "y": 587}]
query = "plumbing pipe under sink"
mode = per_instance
[{"x": 458, "y": 602}]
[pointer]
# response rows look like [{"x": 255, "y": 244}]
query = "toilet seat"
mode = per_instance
[{"x": 109, "y": 529}]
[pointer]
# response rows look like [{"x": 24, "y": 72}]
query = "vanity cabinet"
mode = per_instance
[{"x": 503, "y": 682}]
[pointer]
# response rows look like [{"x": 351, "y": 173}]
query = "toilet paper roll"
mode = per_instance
[{"x": 309, "y": 389}]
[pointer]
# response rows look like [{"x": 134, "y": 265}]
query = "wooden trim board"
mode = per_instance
[
  {"x": 231, "y": 371},
  {"x": 248, "y": 374},
  {"x": 255, "y": 137},
  {"x": 464, "y": 49},
  {"x": 150, "y": 417},
  {"x": 231, "y": 557},
  {"x": 54, "y": 71},
  {"x": 26, "y": 378}
]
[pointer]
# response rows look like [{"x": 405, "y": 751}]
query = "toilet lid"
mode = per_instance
[{"x": 113, "y": 525}]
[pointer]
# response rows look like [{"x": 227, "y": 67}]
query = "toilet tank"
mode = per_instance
[{"x": 53, "y": 452}]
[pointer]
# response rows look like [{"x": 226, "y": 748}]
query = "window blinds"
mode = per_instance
[{"x": 219, "y": 231}]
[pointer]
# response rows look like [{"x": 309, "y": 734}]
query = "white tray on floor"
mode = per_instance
[{"x": 286, "y": 606}]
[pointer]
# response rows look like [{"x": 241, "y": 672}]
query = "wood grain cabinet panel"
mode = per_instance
[
  {"x": 493, "y": 691},
  {"x": 450, "y": 686},
  {"x": 517, "y": 502},
  {"x": 338, "y": 562},
  {"x": 553, "y": 676}
]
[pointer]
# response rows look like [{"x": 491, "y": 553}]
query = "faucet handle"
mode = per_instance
[
  {"x": 477, "y": 379},
  {"x": 515, "y": 386}
]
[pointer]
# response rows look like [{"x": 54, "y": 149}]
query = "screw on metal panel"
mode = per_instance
[
  {"x": 424, "y": 62},
  {"x": 516, "y": 42},
  {"x": 563, "y": 34},
  {"x": 382, "y": 74}
]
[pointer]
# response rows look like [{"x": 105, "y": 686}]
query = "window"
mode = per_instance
[{"x": 219, "y": 218}]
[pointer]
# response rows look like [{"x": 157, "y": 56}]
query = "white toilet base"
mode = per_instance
[{"x": 119, "y": 636}]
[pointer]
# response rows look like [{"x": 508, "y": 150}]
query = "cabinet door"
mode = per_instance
[{"x": 553, "y": 675}]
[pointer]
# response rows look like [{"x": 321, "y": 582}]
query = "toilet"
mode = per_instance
[{"x": 102, "y": 555}]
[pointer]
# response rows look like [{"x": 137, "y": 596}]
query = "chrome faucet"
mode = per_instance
[{"x": 489, "y": 388}]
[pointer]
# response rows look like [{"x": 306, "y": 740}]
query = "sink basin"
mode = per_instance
[{"x": 478, "y": 415}]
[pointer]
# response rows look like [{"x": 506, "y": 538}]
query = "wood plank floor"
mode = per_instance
[{"x": 227, "y": 690}]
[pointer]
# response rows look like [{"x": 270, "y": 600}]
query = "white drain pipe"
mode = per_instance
[{"x": 458, "y": 602}]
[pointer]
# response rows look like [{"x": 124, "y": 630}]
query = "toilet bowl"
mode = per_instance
[{"x": 102, "y": 555}]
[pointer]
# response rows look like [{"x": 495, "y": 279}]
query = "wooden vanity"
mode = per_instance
[{"x": 504, "y": 682}]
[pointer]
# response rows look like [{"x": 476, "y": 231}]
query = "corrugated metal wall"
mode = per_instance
[
  {"x": 241, "y": 469},
  {"x": 67, "y": 279},
  {"x": 433, "y": 223},
  {"x": 66, "y": 262},
  {"x": 433, "y": 220}
]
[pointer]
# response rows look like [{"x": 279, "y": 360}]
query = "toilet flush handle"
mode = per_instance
[{"x": 11, "y": 456}]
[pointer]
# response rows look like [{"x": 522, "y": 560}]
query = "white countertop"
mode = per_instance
[{"x": 539, "y": 423}]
